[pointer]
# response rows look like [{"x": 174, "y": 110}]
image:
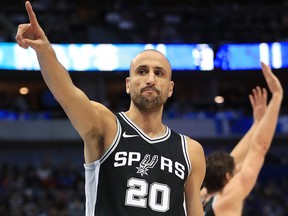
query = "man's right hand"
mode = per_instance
[{"x": 31, "y": 34}]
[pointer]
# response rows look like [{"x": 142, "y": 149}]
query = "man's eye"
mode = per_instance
[
  {"x": 141, "y": 71},
  {"x": 158, "y": 73}
]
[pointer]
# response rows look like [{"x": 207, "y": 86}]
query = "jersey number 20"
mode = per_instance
[{"x": 138, "y": 192}]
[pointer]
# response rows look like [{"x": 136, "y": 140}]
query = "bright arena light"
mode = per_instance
[
  {"x": 219, "y": 99},
  {"x": 23, "y": 90}
]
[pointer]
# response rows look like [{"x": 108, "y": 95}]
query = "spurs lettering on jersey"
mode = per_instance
[{"x": 148, "y": 162}]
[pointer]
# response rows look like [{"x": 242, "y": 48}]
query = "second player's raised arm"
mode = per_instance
[
  {"x": 258, "y": 100},
  {"x": 262, "y": 137}
]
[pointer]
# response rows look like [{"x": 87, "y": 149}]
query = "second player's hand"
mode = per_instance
[
  {"x": 258, "y": 100},
  {"x": 271, "y": 80}
]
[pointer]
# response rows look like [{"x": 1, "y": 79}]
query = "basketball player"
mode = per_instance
[
  {"x": 231, "y": 177},
  {"x": 134, "y": 164}
]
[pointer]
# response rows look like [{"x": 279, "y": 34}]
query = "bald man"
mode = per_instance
[{"x": 134, "y": 164}]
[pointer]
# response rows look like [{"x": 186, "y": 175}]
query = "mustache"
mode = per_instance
[{"x": 147, "y": 88}]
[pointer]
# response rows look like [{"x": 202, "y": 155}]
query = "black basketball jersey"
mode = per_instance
[
  {"x": 208, "y": 208},
  {"x": 138, "y": 175}
]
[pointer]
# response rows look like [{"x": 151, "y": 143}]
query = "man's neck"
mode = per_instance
[{"x": 150, "y": 123}]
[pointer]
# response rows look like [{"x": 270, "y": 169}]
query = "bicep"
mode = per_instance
[
  {"x": 91, "y": 120},
  {"x": 195, "y": 179},
  {"x": 85, "y": 116},
  {"x": 250, "y": 170}
]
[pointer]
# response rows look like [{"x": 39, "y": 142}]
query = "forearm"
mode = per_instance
[
  {"x": 54, "y": 74},
  {"x": 265, "y": 131},
  {"x": 239, "y": 152}
]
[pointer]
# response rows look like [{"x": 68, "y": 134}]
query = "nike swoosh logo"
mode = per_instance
[{"x": 129, "y": 135}]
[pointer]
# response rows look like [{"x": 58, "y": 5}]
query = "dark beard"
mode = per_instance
[{"x": 145, "y": 104}]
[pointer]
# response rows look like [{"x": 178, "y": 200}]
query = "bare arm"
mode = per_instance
[
  {"x": 258, "y": 100},
  {"x": 194, "y": 181},
  {"x": 262, "y": 136},
  {"x": 87, "y": 118},
  {"x": 238, "y": 188}
]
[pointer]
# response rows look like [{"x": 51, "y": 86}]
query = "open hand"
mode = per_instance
[
  {"x": 272, "y": 81},
  {"x": 258, "y": 100}
]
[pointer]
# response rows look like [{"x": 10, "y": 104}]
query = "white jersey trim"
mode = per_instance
[
  {"x": 91, "y": 185},
  {"x": 142, "y": 134},
  {"x": 185, "y": 153},
  {"x": 114, "y": 143},
  {"x": 92, "y": 175}
]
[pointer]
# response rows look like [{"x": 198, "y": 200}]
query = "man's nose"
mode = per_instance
[{"x": 150, "y": 78}]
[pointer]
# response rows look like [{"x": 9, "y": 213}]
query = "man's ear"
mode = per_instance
[
  {"x": 170, "y": 88},
  {"x": 228, "y": 176},
  {"x": 128, "y": 85}
]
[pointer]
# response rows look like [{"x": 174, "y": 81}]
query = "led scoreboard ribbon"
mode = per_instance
[{"x": 183, "y": 57}]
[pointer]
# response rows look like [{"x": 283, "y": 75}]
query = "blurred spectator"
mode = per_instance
[
  {"x": 23, "y": 192},
  {"x": 127, "y": 22}
]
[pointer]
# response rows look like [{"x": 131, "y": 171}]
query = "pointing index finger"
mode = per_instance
[{"x": 31, "y": 14}]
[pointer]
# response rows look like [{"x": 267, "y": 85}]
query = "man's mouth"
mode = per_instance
[{"x": 150, "y": 89}]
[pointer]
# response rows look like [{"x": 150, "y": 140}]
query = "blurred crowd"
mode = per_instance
[
  {"x": 55, "y": 187},
  {"x": 151, "y": 21},
  {"x": 44, "y": 190}
]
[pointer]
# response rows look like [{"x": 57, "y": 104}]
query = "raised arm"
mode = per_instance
[
  {"x": 258, "y": 100},
  {"x": 89, "y": 119},
  {"x": 265, "y": 132},
  {"x": 262, "y": 136}
]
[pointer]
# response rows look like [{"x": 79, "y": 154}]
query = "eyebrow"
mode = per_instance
[{"x": 145, "y": 66}]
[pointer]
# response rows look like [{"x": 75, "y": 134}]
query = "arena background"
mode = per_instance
[{"x": 41, "y": 155}]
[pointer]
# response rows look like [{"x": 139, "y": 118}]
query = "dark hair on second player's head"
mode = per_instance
[{"x": 217, "y": 165}]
